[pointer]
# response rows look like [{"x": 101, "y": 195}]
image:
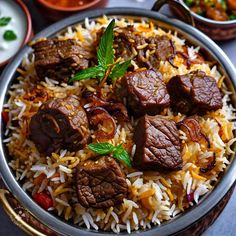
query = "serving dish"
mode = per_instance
[
  {"x": 19, "y": 14},
  {"x": 187, "y": 218},
  {"x": 55, "y": 12},
  {"x": 216, "y": 30}
]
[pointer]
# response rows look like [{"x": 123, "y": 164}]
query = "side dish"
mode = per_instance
[
  {"x": 116, "y": 124},
  {"x": 68, "y": 4},
  {"x": 13, "y": 29},
  {"x": 219, "y": 10}
]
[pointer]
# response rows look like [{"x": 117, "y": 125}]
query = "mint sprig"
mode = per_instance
[
  {"x": 118, "y": 152},
  {"x": 101, "y": 148},
  {"x": 105, "y": 52},
  {"x": 224, "y": 4},
  {"x": 119, "y": 70},
  {"x": 106, "y": 67},
  {"x": 122, "y": 155},
  {"x": 4, "y": 21},
  {"x": 232, "y": 17},
  {"x": 88, "y": 73}
]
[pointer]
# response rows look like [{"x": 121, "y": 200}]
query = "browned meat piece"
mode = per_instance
[
  {"x": 101, "y": 183},
  {"x": 126, "y": 42},
  {"x": 57, "y": 59},
  {"x": 165, "y": 50},
  {"x": 194, "y": 93},
  {"x": 59, "y": 123},
  {"x": 145, "y": 92},
  {"x": 157, "y": 144}
]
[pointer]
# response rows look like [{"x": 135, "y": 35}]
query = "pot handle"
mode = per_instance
[
  {"x": 16, "y": 218},
  {"x": 184, "y": 11}
]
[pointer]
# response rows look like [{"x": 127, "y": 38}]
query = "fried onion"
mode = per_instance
[
  {"x": 194, "y": 130},
  {"x": 99, "y": 115},
  {"x": 115, "y": 109}
]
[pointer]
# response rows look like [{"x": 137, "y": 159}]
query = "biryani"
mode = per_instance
[{"x": 118, "y": 125}]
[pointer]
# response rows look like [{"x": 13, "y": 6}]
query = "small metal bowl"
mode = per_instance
[
  {"x": 191, "y": 222},
  {"x": 216, "y": 30},
  {"x": 29, "y": 29}
]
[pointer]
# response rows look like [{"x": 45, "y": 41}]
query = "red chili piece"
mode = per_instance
[
  {"x": 43, "y": 199},
  {"x": 5, "y": 117}
]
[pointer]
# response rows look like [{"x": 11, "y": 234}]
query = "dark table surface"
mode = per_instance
[{"x": 225, "y": 225}]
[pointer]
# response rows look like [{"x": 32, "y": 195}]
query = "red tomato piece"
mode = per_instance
[
  {"x": 43, "y": 199},
  {"x": 5, "y": 117}
]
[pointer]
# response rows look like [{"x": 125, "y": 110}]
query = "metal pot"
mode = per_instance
[{"x": 180, "y": 223}]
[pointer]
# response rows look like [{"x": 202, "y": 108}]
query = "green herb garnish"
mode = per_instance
[
  {"x": 224, "y": 4},
  {"x": 119, "y": 70},
  {"x": 4, "y": 21},
  {"x": 200, "y": 12},
  {"x": 105, "y": 50},
  {"x": 92, "y": 72},
  {"x": 232, "y": 17},
  {"x": 118, "y": 152},
  {"x": 9, "y": 35},
  {"x": 101, "y": 148},
  {"x": 106, "y": 67},
  {"x": 122, "y": 155},
  {"x": 189, "y": 2}
]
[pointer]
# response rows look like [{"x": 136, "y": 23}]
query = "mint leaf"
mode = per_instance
[
  {"x": 122, "y": 155},
  {"x": 118, "y": 152},
  {"x": 224, "y": 4},
  {"x": 9, "y": 35},
  {"x": 188, "y": 2},
  {"x": 92, "y": 72},
  {"x": 101, "y": 148},
  {"x": 4, "y": 21},
  {"x": 232, "y": 17},
  {"x": 119, "y": 70},
  {"x": 105, "y": 50}
]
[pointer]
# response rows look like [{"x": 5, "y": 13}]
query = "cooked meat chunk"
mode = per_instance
[
  {"x": 145, "y": 92},
  {"x": 101, "y": 183},
  {"x": 124, "y": 41},
  {"x": 157, "y": 144},
  {"x": 57, "y": 59},
  {"x": 194, "y": 93},
  {"x": 59, "y": 123},
  {"x": 145, "y": 52},
  {"x": 129, "y": 44},
  {"x": 164, "y": 50}
]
